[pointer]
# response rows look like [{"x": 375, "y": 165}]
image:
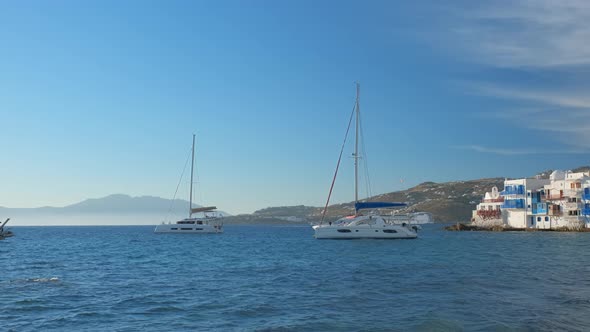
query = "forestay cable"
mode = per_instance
[
  {"x": 337, "y": 165},
  {"x": 177, "y": 186}
]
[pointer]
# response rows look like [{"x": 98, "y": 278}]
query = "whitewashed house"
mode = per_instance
[{"x": 488, "y": 212}]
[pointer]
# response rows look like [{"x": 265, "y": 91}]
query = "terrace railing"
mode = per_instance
[
  {"x": 513, "y": 204},
  {"x": 513, "y": 190}
]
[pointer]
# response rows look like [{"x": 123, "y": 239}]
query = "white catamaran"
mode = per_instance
[
  {"x": 208, "y": 221},
  {"x": 363, "y": 226}
]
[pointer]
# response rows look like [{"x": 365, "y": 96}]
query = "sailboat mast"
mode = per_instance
[
  {"x": 190, "y": 204},
  {"x": 356, "y": 146}
]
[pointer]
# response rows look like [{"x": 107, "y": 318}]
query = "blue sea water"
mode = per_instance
[{"x": 280, "y": 278}]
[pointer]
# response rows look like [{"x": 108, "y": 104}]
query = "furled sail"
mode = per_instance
[
  {"x": 377, "y": 205},
  {"x": 203, "y": 209}
]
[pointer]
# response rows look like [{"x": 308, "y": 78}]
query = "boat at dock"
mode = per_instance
[{"x": 367, "y": 222}]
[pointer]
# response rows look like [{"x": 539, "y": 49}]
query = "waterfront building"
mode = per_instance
[
  {"x": 488, "y": 213},
  {"x": 562, "y": 200}
]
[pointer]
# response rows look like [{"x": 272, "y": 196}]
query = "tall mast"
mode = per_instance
[
  {"x": 356, "y": 146},
  {"x": 190, "y": 204}
]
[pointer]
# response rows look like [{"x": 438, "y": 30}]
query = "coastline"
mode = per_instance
[{"x": 458, "y": 227}]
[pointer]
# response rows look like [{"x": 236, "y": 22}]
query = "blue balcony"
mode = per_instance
[
  {"x": 586, "y": 194},
  {"x": 513, "y": 190},
  {"x": 536, "y": 197},
  {"x": 540, "y": 208},
  {"x": 586, "y": 211},
  {"x": 513, "y": 204}
]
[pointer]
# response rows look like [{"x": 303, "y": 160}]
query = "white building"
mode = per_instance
[
  {"x": 563, "y": 200},
  {"x": 488, "y": 213}
]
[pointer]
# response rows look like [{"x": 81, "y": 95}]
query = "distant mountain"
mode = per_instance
[
  {"x": 113, "y": 204},
  {"x": 125, "y": 203}
]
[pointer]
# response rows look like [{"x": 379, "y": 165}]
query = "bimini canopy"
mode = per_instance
[
  {"x": 203, "y": 209},
  {"x": 377, "y": 205}
]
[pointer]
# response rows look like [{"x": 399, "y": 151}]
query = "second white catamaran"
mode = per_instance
[
  {"x": 359, "y": 226},
  {"x": 208, "y": 221}
]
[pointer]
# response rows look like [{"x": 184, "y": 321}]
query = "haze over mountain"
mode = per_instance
[
  {"x": 116, "y": 203},
  {"x": 116, "y": 209}
]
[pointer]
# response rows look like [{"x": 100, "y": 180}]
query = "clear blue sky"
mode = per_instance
[{"x": 101, "y": 97}]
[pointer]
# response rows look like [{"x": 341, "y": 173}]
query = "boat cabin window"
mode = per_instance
[
  {"x": 186, "y": 229},
  {"x": 389, "y": 231},
  {"x": 198, "y": 229},
  {"x": 174, "y": 228},
  {"x": 199, "y": 222},
  {"x": 344, "y": 230}
]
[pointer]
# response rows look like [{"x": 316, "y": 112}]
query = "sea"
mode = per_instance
[{"x": 279, "y": 278}]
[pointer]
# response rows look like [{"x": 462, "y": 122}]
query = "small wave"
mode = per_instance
[
  {"x": 162, "y": 309},
  {"x": 88, "y": 314},
  {"x": 438, "y": 324},
  {"x": 255, "y": 311},
  {"x": 29, "y": 302},
  {"x": 52, "y": 279},
  {"x": 577, "y": 302},
  {"x": 28, "y": 280}
]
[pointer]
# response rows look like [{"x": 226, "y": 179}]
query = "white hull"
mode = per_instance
[
  {"x": 185, "y": 228},
  {"x": 364, "y": 227},
  {"x": 354, "y": 232}
]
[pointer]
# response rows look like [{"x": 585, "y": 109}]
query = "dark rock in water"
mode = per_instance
[{"x": 462, "y": 227}]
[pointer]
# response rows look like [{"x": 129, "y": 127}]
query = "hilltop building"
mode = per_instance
[{"x": 563, "y": 200}]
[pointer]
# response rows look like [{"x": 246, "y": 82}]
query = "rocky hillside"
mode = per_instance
[{"x": 448, "y": 202}]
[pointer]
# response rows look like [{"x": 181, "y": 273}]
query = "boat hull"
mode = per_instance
[
  {"x": 188, "y": 229},
  {"x": 363, "y": 232}
]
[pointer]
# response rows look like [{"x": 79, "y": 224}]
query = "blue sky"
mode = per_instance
[{"x": 101, "y": 97}]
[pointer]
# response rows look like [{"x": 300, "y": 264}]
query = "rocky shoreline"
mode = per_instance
[{"x": 468, "y": 227}]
